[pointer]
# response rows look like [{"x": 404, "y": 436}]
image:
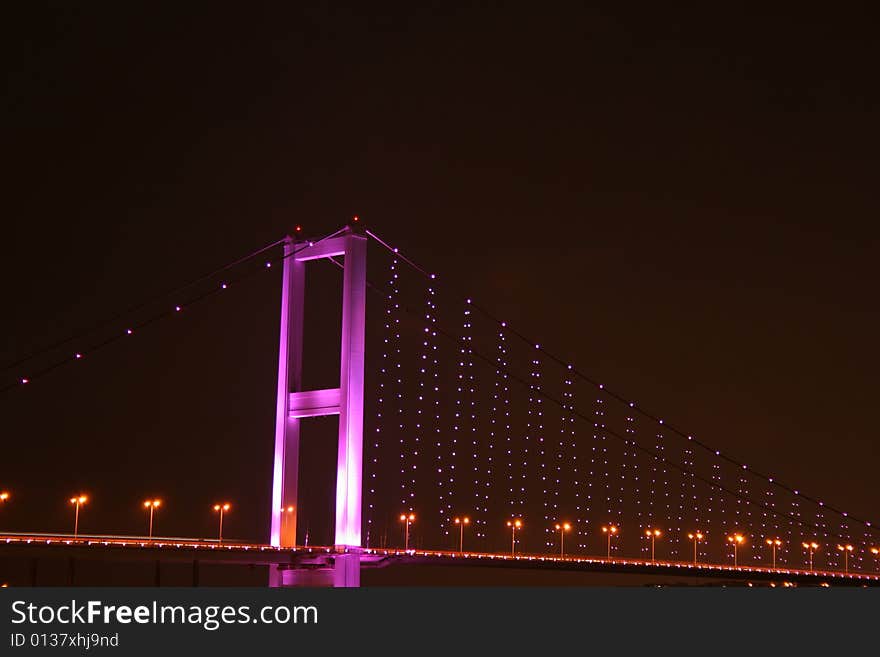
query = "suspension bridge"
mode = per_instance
[{"x": 463, "y": 441}]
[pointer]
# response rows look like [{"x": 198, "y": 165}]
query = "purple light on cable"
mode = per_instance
[
  {"x": 223, "y": 286},
  {"x": 77, "y": 355},
  {"x": 177, "y": 309},
  {"x": 128, "y": 331},
  {"x": 25, "y": 381}
]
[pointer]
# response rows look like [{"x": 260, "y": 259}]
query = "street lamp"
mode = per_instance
[
  {"x": 222, "y": 508},
  {"x": 564, "y": 527},
  {"x": 736, "y": 539},
  {"x": 461, "y": 522},
  {"x": 696, "y": 537},
  {"x": 652, "y": 534},
  {"x": 812, "y": 547},
  {"x": 773, "y": 543},
  {"x": 286, "y": 512},
  {"x": 408, "y": 519},
  {"x": 514, "y": 525},
  {"x": 846, "y": 549},
  {"x": 152, "y": 505},
  {"x": 4, "y": 496},
  {"x": 77, "y": 501},
  {"x": 610, "y": 530}
]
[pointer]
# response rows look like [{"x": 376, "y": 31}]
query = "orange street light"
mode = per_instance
[
  {"x": 4, "y": 496},
  {"x": 773, "y": 543},
  {"x": 286, "y": 517},
  {"x": 562, "y": 528},
  {"x": 735, "y": 540},
  {"x": 221, "y": 508},
  {"x": 610, "y": 530},
  {"x": 408, "y": 519},
  {"x": 696, "y": 537},
  {"x": 461, "y": 522},
  {"x": 812, "y": 547},
  {"x": 514, "y": 524},
  {"x": 652, "y": 534},
  {"x": 152, "y": 505},
  {"x": 77, "y": 501},
  {"x": 846, "y": 549}
]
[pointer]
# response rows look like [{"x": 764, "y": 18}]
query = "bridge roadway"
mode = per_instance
[{"x": 194, "y": 551}]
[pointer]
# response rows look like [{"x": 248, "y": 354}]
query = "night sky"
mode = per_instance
[{"x": 681, "y": 202}]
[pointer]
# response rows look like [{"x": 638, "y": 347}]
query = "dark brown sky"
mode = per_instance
[{"x": 681, "y": 202}]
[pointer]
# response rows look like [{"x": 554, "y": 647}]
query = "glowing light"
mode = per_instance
[
  {"x": 609, "y": 530},
  {"x": 735, "y": 540},
  {"x": 407, "y": 519},
  {"x": 773, "y": 543},
  {"x": 221, "y": 508},
  {"x": 77, "y": 502},
  {"x": 514, "y": 524}
]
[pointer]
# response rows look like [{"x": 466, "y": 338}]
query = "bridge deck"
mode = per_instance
[{"x": 170, "y": 550}]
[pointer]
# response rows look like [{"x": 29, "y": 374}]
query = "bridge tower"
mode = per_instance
[{"x": 346, "y": 401}]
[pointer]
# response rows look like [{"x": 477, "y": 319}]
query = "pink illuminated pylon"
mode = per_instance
[{"x": 347, "y": 400}]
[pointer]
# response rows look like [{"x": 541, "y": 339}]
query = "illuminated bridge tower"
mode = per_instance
[{"x": 347, "y": 400}]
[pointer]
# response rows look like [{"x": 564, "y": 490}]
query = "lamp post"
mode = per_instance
[
  {"x": 514, "y": 524},
  {"x": 773, "y": 543},
  {"x": 610, "y": 530},
  {"x": 461, "y": 522},
  {"x": 812, "y": 547},
  {"x": 696, "y": 537},
  {"x": 407, "y": 519},
  {"x": 846, "y": 549},
  {"x": 286, "y": 513},
  {"x": 4, "y": 496},
  {"x": 152, "y": 505},
  {"x": 652, "y": 534},
  {"x": 222, "y": 508},
  {"x": 562, "y": 528},
  {"x": 735, "y": 540},
  {"x": 77, "y": 502}
]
